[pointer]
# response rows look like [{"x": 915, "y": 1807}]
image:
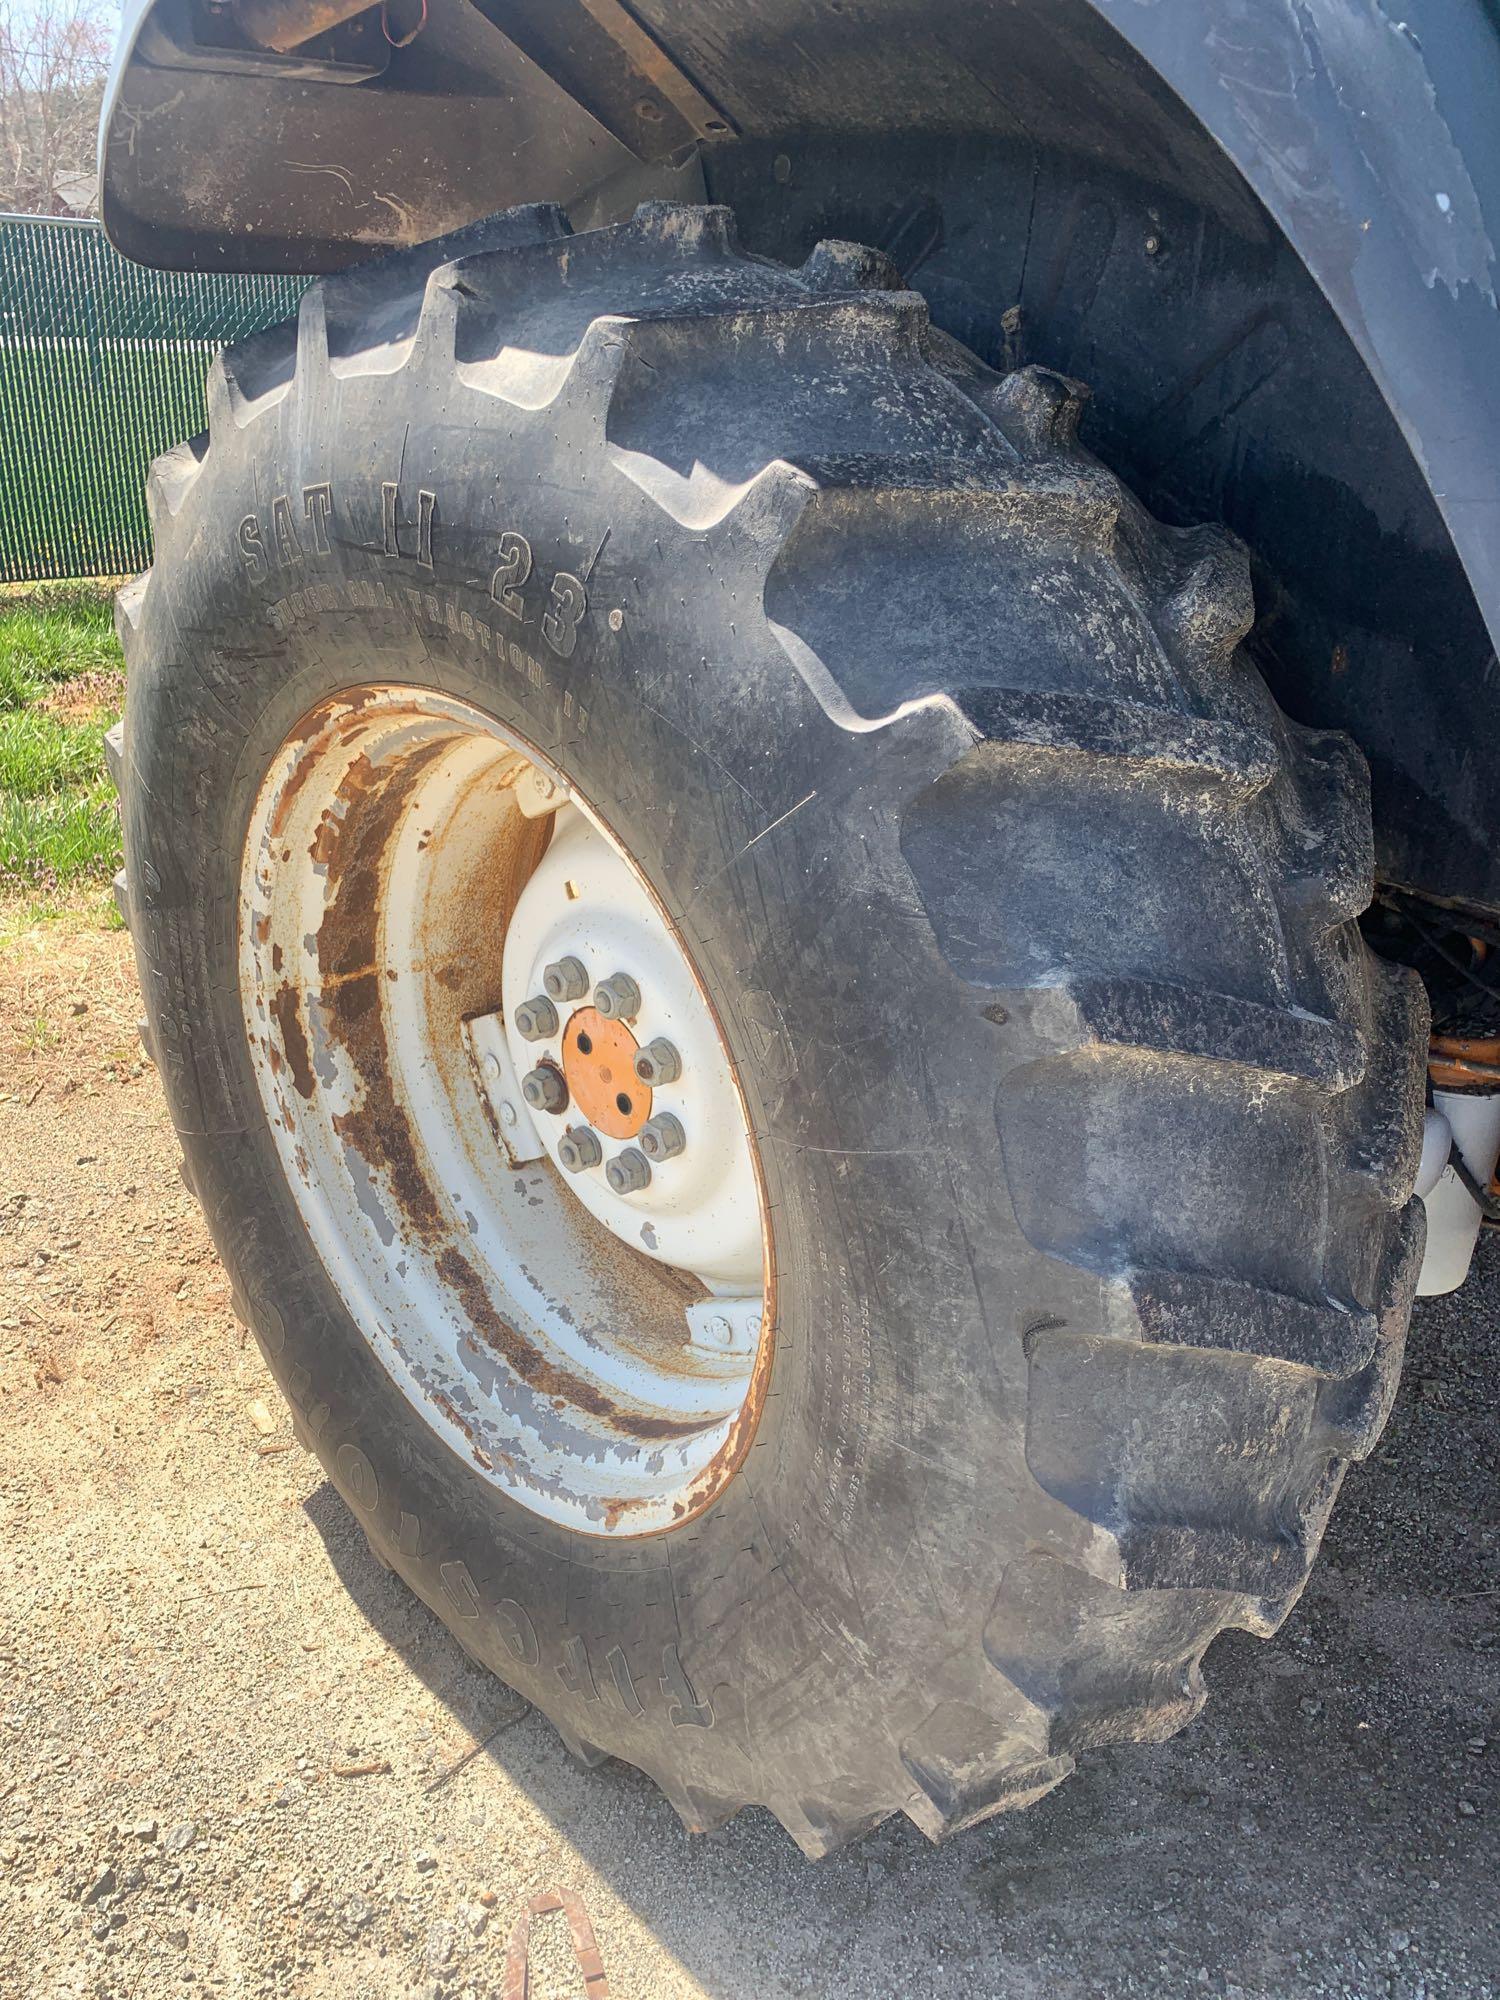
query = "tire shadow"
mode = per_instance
[
  {"x": 1331, "y": 1823},
  {"x": 473, "y": 1696}
]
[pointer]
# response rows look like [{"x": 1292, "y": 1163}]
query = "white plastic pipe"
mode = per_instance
[
  {"x": 1472, "y": 1122},
  {"x": 1437, "y": 1144}
]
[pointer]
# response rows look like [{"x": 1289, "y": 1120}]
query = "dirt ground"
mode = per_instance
[{"x": 237, "y": 1756}]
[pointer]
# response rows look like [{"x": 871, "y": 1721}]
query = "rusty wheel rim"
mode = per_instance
[{"x": 596, "y": 1348}]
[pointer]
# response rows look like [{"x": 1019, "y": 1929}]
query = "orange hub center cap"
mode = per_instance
[{"x": 599, "y": 1063}]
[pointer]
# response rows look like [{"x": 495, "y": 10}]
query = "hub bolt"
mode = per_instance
[
  {"x": 618, "y": 998},
  {"x": 658, "y": 1063},
  {"x": 544, "y": 1089},
  {"x": 580, "y": 1149},
  {"x": 629, "y": 1172},
  {"x": 536, "y": 1018},
  {"x": 566, "y": 979},
  {"x": 662, "y": 1138}
]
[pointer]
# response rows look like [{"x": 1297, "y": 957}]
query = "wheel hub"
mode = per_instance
[
  {"x": 584, "y": 909},
  {"x": 599, "y": 1066}
]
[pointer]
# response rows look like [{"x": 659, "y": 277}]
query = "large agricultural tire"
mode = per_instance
[{"x": 1087, "y": 1123}]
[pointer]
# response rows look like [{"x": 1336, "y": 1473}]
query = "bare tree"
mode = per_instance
[{"x": 53, "y": 57}]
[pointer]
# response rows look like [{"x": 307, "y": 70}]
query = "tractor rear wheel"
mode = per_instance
[{"x": 765, "y": 1011}]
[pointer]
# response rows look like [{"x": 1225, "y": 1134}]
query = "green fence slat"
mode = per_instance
[{"x": 102, "y": 367}]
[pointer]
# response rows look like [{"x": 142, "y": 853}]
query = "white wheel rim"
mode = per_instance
[
  {"x": 701, "y": 1211},
  {"x": 410, "y": 871}
]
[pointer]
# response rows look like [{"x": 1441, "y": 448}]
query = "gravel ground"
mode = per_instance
[{"x": 237, "y": 1756}]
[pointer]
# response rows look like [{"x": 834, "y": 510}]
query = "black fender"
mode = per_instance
[
  {"x": 1338, "y": 159},
  {"x": 1373, "y": 138}
]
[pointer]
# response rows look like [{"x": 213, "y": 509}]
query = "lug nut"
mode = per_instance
[
  {"x": 544, "y": 1089},
  {"x": 566, "y": 979},
  {"x": 580, "y": 1149},
  {"x": 629, "y": 1172},
  {"x": 658, "y": 1063},
  {"x": 662, "y": 1138},
  {"x": 536, "y": 1018},
  {"x": 618, "y": 998}
]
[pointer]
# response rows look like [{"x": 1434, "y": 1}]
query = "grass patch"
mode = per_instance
[{"x": 62, "y": 681}]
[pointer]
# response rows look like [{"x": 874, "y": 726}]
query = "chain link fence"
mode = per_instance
[{"x": 102, "y": 366}]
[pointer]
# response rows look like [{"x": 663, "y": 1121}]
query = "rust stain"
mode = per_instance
[
  {"x": 456, "y": 1416},
  {"x": 325, "y": 840},
  {"x": 286, "y": 1011},
  {"x": 533, "y": 1366},
  {"x": 378, "y": 1127},
  {"x": 343, "y": 709},
  {"x": 301, "y": 772},
  {"x": 360, "y": 779}
]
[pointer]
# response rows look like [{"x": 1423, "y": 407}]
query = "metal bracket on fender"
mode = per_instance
[{"x": 596, "y": 49}]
